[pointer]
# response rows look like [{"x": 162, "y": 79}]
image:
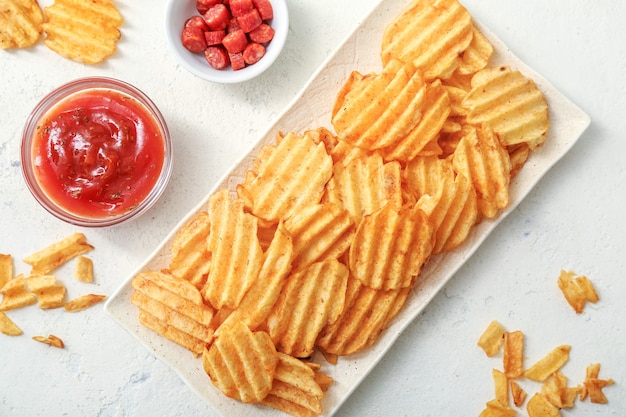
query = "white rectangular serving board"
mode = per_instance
[{"x": 310, "y": 110}]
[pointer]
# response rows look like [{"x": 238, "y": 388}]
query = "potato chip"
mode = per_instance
[
  {"x": 50, "y": 258},
  {"x": 191, "y": 259},
  {"x": 293, "y": 175},
  {"x": 513, "y": 357},
  {"x": 8, "y": 327},
  {"x": 364, "y": 185},
  {"x": 320, "y": 232},
  {"x": 20, "y": 23},
  {"x": 257, "y": 303},
  {"x": 310, "y": 299},
  {"x": 593, "y": 385},
  {"x": 482, "y": 159},
  {"x": 366, "y": 314},
  {"x": 51, "y": 340},
  {"x": 49, "y": 292},
  {"x": 577, "y": 290},
  {"x": 549, "y": 364},
  {"x": 501, "y": 385},
  {"x": 517, "y": 393},
  {"x": 83, "y": 302},
  {"x": 85, "y": 32},
  {"x": 390, "y": 247},
  {"x": 236, "y": 253},
  {"x": 495, "y": 409},
  {"x": 83, "y": 270},
  {"x": 241, "y": 363},
  {"x": 15, "y": 294},
  {"x": 432, "y": 34},
  {"x": 435, "y": 110},
  {"x": 6, "y": 269},
  {"x": 295, "y": 389},
  {"x": 510, "y": 104},
  {"x": 492, "y": 338},
  {"x": 539, "y": 406},
  {"x": 191, "y": 343},
  {"x": 557, "y": 392},
  {"x": 476, "y": 56},
  {"x": 518, "y": 154},
  {"x": 379, "y": 108}
]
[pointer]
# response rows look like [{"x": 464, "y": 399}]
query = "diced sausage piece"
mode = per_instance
[
  {"x": 196, "y": 21},
  {"x": 235, "y": 41},
  {"x": 214, "y": 37},
  {"x": 193, "y": 39},
  {"x": 236, "y": 61},
  {"x": 250, "y": 20},
  {"x": 233, "y": 25},
  {"x": 204, "y": 5},
  {"x": 217, "y": 57},
  {"x": 263, "y": 34},
  {"x": 217, "y": 17},
  {"x": 253, "y": 53},
  {"x": 265, "y": 9},
  {"x": 240, "y": 7}
]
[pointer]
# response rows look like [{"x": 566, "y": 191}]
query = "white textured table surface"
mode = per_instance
[{"x": 573, "y": 219}]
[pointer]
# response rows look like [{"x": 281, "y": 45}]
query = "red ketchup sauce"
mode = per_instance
[{"x": 98, "y": 153}]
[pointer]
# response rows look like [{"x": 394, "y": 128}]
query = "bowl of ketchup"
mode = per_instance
[{"x": 96, "y": 152}]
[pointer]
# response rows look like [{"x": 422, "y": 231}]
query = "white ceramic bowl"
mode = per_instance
[{"x": 178, "y": 11}]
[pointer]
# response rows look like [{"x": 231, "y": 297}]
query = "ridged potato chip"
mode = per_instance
[
  {"x": 366, "y": 314},
  {"x": 15, "y": 294},
  {"x": 374, "y": 111},
  {"x": 191, "y": 259},
  {"x": 241, "y": 363},
  {"x": 53, "y": 256},
  {"x": 432, "y": 34},
  {"x": 390, "y": 247},
  {"x": 20, "y": 23},
  {"x": 310, "y": 299},
  {"x": 481, "y": 158},
  {"x": 510, "y": 104},
  {"x": 292, "y": 176},
  {"x": 236, "y": 253},
  {"x": 295, "y": 389},
  {"x": 82, "y": 31},
  {"x": 189, "y": 342},
  {"x": 477, "y": 55},
  {"x": 49, "y": 292}
]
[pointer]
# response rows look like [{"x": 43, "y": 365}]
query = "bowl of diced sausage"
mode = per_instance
[{"x": 226, "y": 41}]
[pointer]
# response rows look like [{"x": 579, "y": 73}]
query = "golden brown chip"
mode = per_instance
[
  {"x": 310, "y": 299},
  {"x": 51, "y": 340},
  {"x": 236, "y": 253},
  {"x": 433, "y": 34},
  {"x": 83, "y": 302},
  {"x": 482, "y": 159},
  {"x": 191, "y": 259},
  {"x": 84, "y": 269},
  {"x": 510, "y": 104},
  {"x": 6, "y": 269},
  {"x": 20, "y": 23},
  {"x": 539, "y": 406},
  {"x": 477, "y": 54},
  {"x": 241, "y": 363},
  {"x": 366, "y": 314},
  {"x": 49, "y": 292},
  {"x": 15, "y": 294},
  {"x": 295, "y": 389},
  {"x": 390, "y": 247},
  {"x": 257, "y": 304},
  {"x": 556, "y": 391},
  {"x": 379, "y": 109},
  {"x": 193, "y": 344},
  {"x": 291, "y": 175},
  {"x": 513, "y": 357},
  {"x": 517, "y": 393},
  {"x": 86, "y": 32},
  {"x": 519, "y": 155},
  {"x": 501, "y": 385},
  {"x": 549, "y": 364},
  {"x": 364, "y": 185},
  {"x": 320, "y": 232},
  {"x": 50, "y": 258},
  {"x": 492, "y": 338},
  {"x": 495, "y": 409},
  {"x": 8, "y": 327},
  {"x": 577, "y": 290},
  {"x": 593, "y": 385}
]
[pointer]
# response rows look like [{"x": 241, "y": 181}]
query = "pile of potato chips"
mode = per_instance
[
  {"x": 41, "y": 285},
  {"x": 84, "y": 31},
  {"x": 320, "y": 245}
]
